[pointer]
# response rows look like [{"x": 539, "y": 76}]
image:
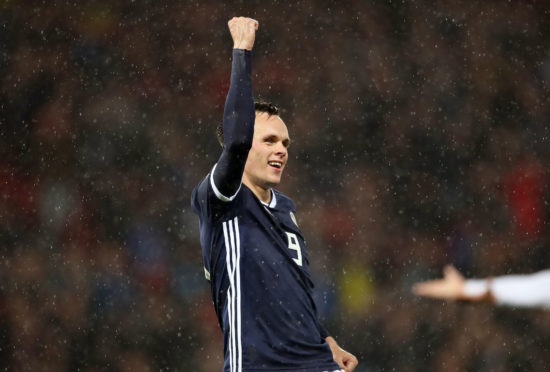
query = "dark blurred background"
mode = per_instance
[{"x": 420, "y": 138}]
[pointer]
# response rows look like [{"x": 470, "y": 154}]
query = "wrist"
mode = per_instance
[
  {"x": 477, "y": 290},
  {"x": 242, "y": 46},
  {"x": 331, "y": 342}
]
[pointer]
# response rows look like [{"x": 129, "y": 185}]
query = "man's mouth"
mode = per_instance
[{"x": 275, "y": 164}]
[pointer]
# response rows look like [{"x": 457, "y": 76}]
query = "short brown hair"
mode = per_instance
[{"x": 260, "y": 106}]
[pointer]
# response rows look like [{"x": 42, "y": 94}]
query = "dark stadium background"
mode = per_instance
[{"x": 420, "y": 138}]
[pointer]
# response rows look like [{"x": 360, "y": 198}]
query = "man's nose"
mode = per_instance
[{"x": 281, "y": 149}]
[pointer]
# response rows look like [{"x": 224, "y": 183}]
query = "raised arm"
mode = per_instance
[
  {"x": 513, "y": 290},
  {"x": 238, "y": 116}
]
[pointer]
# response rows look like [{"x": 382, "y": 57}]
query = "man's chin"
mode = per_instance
[{"x": 273, "y": 181}]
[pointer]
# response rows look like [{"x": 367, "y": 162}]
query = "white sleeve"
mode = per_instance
[{"x": 514, "y": 290}]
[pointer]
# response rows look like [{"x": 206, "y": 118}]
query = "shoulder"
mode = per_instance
[
  {"x": 207, "y": 201},
  {"x": 284, "y": 200},
  {"x": 199, "y": 194}
]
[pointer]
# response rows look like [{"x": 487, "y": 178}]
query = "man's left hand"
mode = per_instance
[{"x": 345, "y": 360}]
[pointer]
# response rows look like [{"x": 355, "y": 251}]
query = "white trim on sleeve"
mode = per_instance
[{"x": 217, "y": 192}]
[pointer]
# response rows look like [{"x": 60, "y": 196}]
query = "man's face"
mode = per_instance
[{"x": 269, "y": 152}]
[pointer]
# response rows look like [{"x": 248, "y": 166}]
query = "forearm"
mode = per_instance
[
  {"x": 238, "y": 115},
  {"x": 238, "y": 126},
  {"x": 331, "y": 342},
  {"x": 513, "y": 290}
]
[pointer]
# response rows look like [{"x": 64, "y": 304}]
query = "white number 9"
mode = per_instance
[{"x": 295, "y": 246}]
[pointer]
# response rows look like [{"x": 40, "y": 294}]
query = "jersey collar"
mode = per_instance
[{"x": 273, "y": 201}]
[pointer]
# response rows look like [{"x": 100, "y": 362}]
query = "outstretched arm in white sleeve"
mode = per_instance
[{"x": 531, "y": 290}]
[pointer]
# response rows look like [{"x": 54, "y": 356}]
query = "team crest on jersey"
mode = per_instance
[{"x": 293, "y": 217}]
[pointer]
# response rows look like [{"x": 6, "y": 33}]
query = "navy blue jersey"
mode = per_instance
[
  {"x": 255, "y": 256},
  {"x": 256, "y": 260}
]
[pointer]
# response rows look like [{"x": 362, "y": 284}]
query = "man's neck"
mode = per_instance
[{"x": 261, "y": 193}]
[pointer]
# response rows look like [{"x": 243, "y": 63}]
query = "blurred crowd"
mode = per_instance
[{"x": 420, "y": 138}]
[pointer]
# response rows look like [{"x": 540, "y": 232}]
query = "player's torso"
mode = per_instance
[
  {"x": 274, "y": 260},
  {"x": 265, "y": 290}
]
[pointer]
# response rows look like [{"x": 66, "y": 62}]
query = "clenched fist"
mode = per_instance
[{"x": 243, "y": 32}]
